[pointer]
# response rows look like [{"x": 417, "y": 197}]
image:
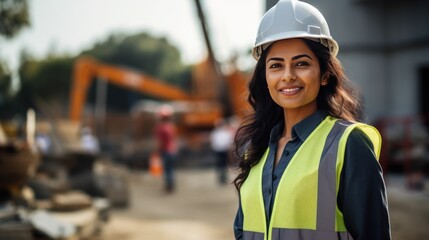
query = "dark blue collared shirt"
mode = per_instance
[{"x": 361, "y": 197}]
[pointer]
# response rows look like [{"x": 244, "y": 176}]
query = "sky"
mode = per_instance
[{"x": 70, "y": 26}]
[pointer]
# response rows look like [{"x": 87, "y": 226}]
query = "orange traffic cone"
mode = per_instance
[{"x": 155, "y": 165}]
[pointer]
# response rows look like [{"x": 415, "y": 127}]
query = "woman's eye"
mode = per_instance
[
  {"x": 302, "y": 64},
  {"x": 275, "y": 65}
]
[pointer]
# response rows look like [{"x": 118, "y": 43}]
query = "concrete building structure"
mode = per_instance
[{"x": 384, "y": 48}]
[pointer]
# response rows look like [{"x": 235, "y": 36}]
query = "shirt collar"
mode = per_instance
[
  {"x": 302, "y": 130},
  {"x": 305, "y": 127}
]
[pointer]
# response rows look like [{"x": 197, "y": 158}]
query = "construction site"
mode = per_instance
[{"x": 93, "y": 174}]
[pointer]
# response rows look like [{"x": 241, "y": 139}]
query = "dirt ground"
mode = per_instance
[{"x": 203, "y": 209}]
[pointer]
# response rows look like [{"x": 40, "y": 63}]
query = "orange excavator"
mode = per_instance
[
  {"x": 87, "y": 68},
  {"x": 202, "y": 111}
]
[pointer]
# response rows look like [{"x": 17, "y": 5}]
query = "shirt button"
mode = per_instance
[{"x": 286, "y": 153}]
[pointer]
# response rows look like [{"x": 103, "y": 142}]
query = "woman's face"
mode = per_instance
[{"x": 293, "y": 75}]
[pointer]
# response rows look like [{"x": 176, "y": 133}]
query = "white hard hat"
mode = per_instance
[
  {"x": 165, "y": 110},
  {"x": 293, "y": 19}
]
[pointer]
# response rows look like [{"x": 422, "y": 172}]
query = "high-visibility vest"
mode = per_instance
[{"x": 305, "y": 206}]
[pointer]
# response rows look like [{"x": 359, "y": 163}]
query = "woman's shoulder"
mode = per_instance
[
  {"x": 359, "y": 135},
  {"x": 359, "y": 131},
  {"x": 359, "y": 140}
]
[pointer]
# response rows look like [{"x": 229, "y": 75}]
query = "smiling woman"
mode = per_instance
[{"x": 307, "y": 169}]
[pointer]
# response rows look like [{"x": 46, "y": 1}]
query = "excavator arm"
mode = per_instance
[{"x": 87, "y": 68}]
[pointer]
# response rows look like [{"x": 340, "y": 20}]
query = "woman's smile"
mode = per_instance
[{"x": 290, "y": 91}]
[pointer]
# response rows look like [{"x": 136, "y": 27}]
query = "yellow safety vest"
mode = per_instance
[{"x": 305, "y": 206}]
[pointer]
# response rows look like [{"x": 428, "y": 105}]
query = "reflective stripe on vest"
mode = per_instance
[{"x": 305, "y": 206}]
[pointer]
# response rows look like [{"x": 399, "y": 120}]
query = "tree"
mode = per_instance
[
  {"x": 13, "y": 17},
  {"x": 152, "y": 55},
  {"x": 45, "y": 80}
]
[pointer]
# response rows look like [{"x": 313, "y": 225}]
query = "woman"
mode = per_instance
[{"x": 307, "y": 168}]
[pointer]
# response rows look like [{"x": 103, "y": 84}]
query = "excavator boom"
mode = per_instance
[{"x": 86, "y": 69}]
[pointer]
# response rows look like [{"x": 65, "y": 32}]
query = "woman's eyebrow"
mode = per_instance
[
  {"x": 276, "y": 59},
  {"x": 301, "y": 56},
  {"x": 293, "y": 58}
]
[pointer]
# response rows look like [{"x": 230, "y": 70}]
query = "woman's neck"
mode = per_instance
[{"x": 291, "y": 118}]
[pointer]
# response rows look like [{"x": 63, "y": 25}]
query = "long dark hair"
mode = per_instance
[{"x": 337, "y": 99}]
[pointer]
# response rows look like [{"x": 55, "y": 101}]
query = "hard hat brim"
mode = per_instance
[{"x": 257, "y": 50}]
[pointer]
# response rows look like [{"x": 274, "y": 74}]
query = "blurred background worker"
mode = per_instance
[
  {"x": 89, "y": 141},
  {"x": 221, "y": 140},
  {"x": 165, "y": 133}
]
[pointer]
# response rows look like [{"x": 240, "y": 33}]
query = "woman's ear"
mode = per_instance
[{"x": 325, "y": 78}]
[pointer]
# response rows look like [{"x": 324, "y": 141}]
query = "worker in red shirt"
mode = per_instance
[{"x": 166, "y": 136}]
